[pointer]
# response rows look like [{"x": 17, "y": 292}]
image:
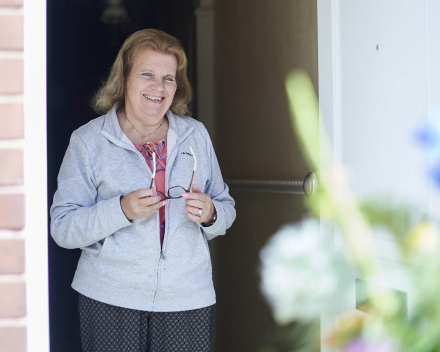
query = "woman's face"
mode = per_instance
[{"x": 151, "y": 85}]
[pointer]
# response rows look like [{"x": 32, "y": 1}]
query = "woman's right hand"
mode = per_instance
[{"x": 141, "y": 203}]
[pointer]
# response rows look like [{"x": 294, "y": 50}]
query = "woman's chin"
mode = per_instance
[{"x": 157, "y": 111}]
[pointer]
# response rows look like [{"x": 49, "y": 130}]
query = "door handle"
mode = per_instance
[{"x": 306, "y": 187}]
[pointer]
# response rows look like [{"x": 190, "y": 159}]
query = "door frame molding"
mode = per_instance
[
  {"x": 329, "y": 73},
  {"x": 35, "y": 176},
  {"x": 330, "y": 117},
  {"x": 205, "y": 68}
]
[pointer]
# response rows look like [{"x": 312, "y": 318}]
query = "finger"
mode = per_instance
[
  {"x": 159, "y": 205},
  {"x": 148, "y": 201},
  {"x": 153, "y": 208},
  {"x": 195, "y": 188},
  {"x": 142, "y": 193},
  {"x": 193, "y": 210},
  {"x": 194, "y": 218},
  {"x": 196, "y": 203},
  {"x": 199, "y": 196}
]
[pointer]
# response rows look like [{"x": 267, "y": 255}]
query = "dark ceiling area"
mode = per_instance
[{"x": 80, "y": 51}]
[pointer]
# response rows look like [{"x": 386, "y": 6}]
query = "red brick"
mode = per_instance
[
  {"x": 11, "y": 121},
  {"x": 12, "y": 211},
  {"x": 11, "y": 3},
  {"x": 11, "y": 32},
  {"x": 13, "y": 300},
  {"x": 12, "y": 256},
  {"x": 11, "y": 167},
  {"x": 11, "y": 72},
  {"x": 13, "y": 339}
]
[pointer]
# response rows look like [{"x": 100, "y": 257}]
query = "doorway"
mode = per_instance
[
  {"x": 80, "y": 51},
  {"x": 255, "y": 44}
]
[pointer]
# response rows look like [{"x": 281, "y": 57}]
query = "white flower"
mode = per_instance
[{"x": 300, "y": 273}]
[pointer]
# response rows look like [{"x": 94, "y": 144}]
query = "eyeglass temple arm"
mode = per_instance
[
  {"x": 194, "y": 170},
  {"x": 154, "y": 170},
  {"x": 190, "y": 184}
]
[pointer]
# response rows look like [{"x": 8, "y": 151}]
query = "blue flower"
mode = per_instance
[
  {"x": 429, "y": 136},
  {"x": 429, "y": 133},
  {"x": 434, "y": 172}
]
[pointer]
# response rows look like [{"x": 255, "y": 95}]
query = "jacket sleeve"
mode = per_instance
[
  {"x": 77, "y": 220},
  {"x": 219, "y": 193}
]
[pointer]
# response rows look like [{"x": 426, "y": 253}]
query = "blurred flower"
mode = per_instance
[
  {"x": 427, "y": 237},
  {"x": 359, "y": 332},
  {"x": 360, "y": 344},
  {"x": 304, "y": 276},
  {"x": 429, "y": 136},
  {"x": 300, "y": 272}
]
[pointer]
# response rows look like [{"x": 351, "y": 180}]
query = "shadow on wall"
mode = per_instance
[
  {"x": 243, "y": 319},
  {"x": 257, "y": 42}
]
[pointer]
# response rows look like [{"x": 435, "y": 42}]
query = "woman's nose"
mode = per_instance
[{"x": 158, "y": 85}]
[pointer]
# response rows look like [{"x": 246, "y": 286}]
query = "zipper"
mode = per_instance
[
  {"x": 167, "y": 172},
  {"x": 137, "y": 152},
  {"x": 170, "y": 162},
  {"x": 157, "y": 278}
]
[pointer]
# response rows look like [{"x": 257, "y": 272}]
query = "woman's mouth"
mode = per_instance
[{"x": 153, "y": 98}]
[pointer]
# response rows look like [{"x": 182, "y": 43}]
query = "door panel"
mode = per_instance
[
  {"x": 382, "y": 97},
  {"x": 377, "y": 82}
]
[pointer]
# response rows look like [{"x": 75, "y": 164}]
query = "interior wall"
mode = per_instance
[{"x": 257, "y": 42}]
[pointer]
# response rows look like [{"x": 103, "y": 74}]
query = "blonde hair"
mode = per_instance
[{"x": 112, "y": 90}]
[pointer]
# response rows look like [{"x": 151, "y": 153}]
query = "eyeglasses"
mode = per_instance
[{"x": 174, "y": 192}]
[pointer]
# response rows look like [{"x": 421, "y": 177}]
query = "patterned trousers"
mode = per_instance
[{"x": 108, "y": 328}]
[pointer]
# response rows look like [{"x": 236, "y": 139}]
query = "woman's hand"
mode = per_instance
[
  {"x": 196, "y": 201},
  {"x": 140, "y": 204}
]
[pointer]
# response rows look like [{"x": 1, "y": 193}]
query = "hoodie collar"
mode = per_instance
[{"x": 177, "y": 127}]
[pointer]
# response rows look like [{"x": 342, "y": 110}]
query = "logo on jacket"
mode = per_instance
[{"x": 187, "y": 154}]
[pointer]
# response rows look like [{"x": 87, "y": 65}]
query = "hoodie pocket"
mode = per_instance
[
  {"x": 125, "y": 261},
  {"x": 106, "y": 241},
  {"x": 92, "y": 253}
]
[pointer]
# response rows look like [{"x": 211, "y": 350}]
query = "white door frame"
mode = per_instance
[
  {"x": 329, "y": 105},
  {"x": 329, "y": 72},
  {"x": 35, "y": 176}
]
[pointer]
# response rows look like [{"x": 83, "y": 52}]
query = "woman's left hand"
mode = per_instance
[{"x": 196, "y": 201}]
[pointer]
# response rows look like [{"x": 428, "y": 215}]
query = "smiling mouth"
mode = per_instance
[{"x": 154, "y": 98}]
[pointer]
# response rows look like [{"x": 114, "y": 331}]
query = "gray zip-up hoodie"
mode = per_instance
[{"x": 121, "y": 262}]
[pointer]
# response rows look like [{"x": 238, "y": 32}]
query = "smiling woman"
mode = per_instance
[
  {"x": 145, "y": 274},
  {"x": 112, "y": 92},
  {"x": 150, "y": 90}
]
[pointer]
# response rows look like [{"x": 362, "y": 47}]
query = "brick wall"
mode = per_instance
[{"x": 12, "y": 197}]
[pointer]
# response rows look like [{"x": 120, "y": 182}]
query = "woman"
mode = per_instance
[{"x": 124, "y": 197}]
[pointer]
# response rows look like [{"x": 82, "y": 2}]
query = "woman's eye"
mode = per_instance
[
  {"x": 169, "y": 79},
  {"x": 147, "y": 74}
]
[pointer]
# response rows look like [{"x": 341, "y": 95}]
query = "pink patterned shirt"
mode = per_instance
[{"x": 147, "y": 150}]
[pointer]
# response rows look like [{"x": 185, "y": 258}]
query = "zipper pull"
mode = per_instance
[{"x": 161, "y": 254}]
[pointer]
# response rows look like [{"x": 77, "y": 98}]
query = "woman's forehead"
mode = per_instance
[{"x": 149, "y": 59}]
